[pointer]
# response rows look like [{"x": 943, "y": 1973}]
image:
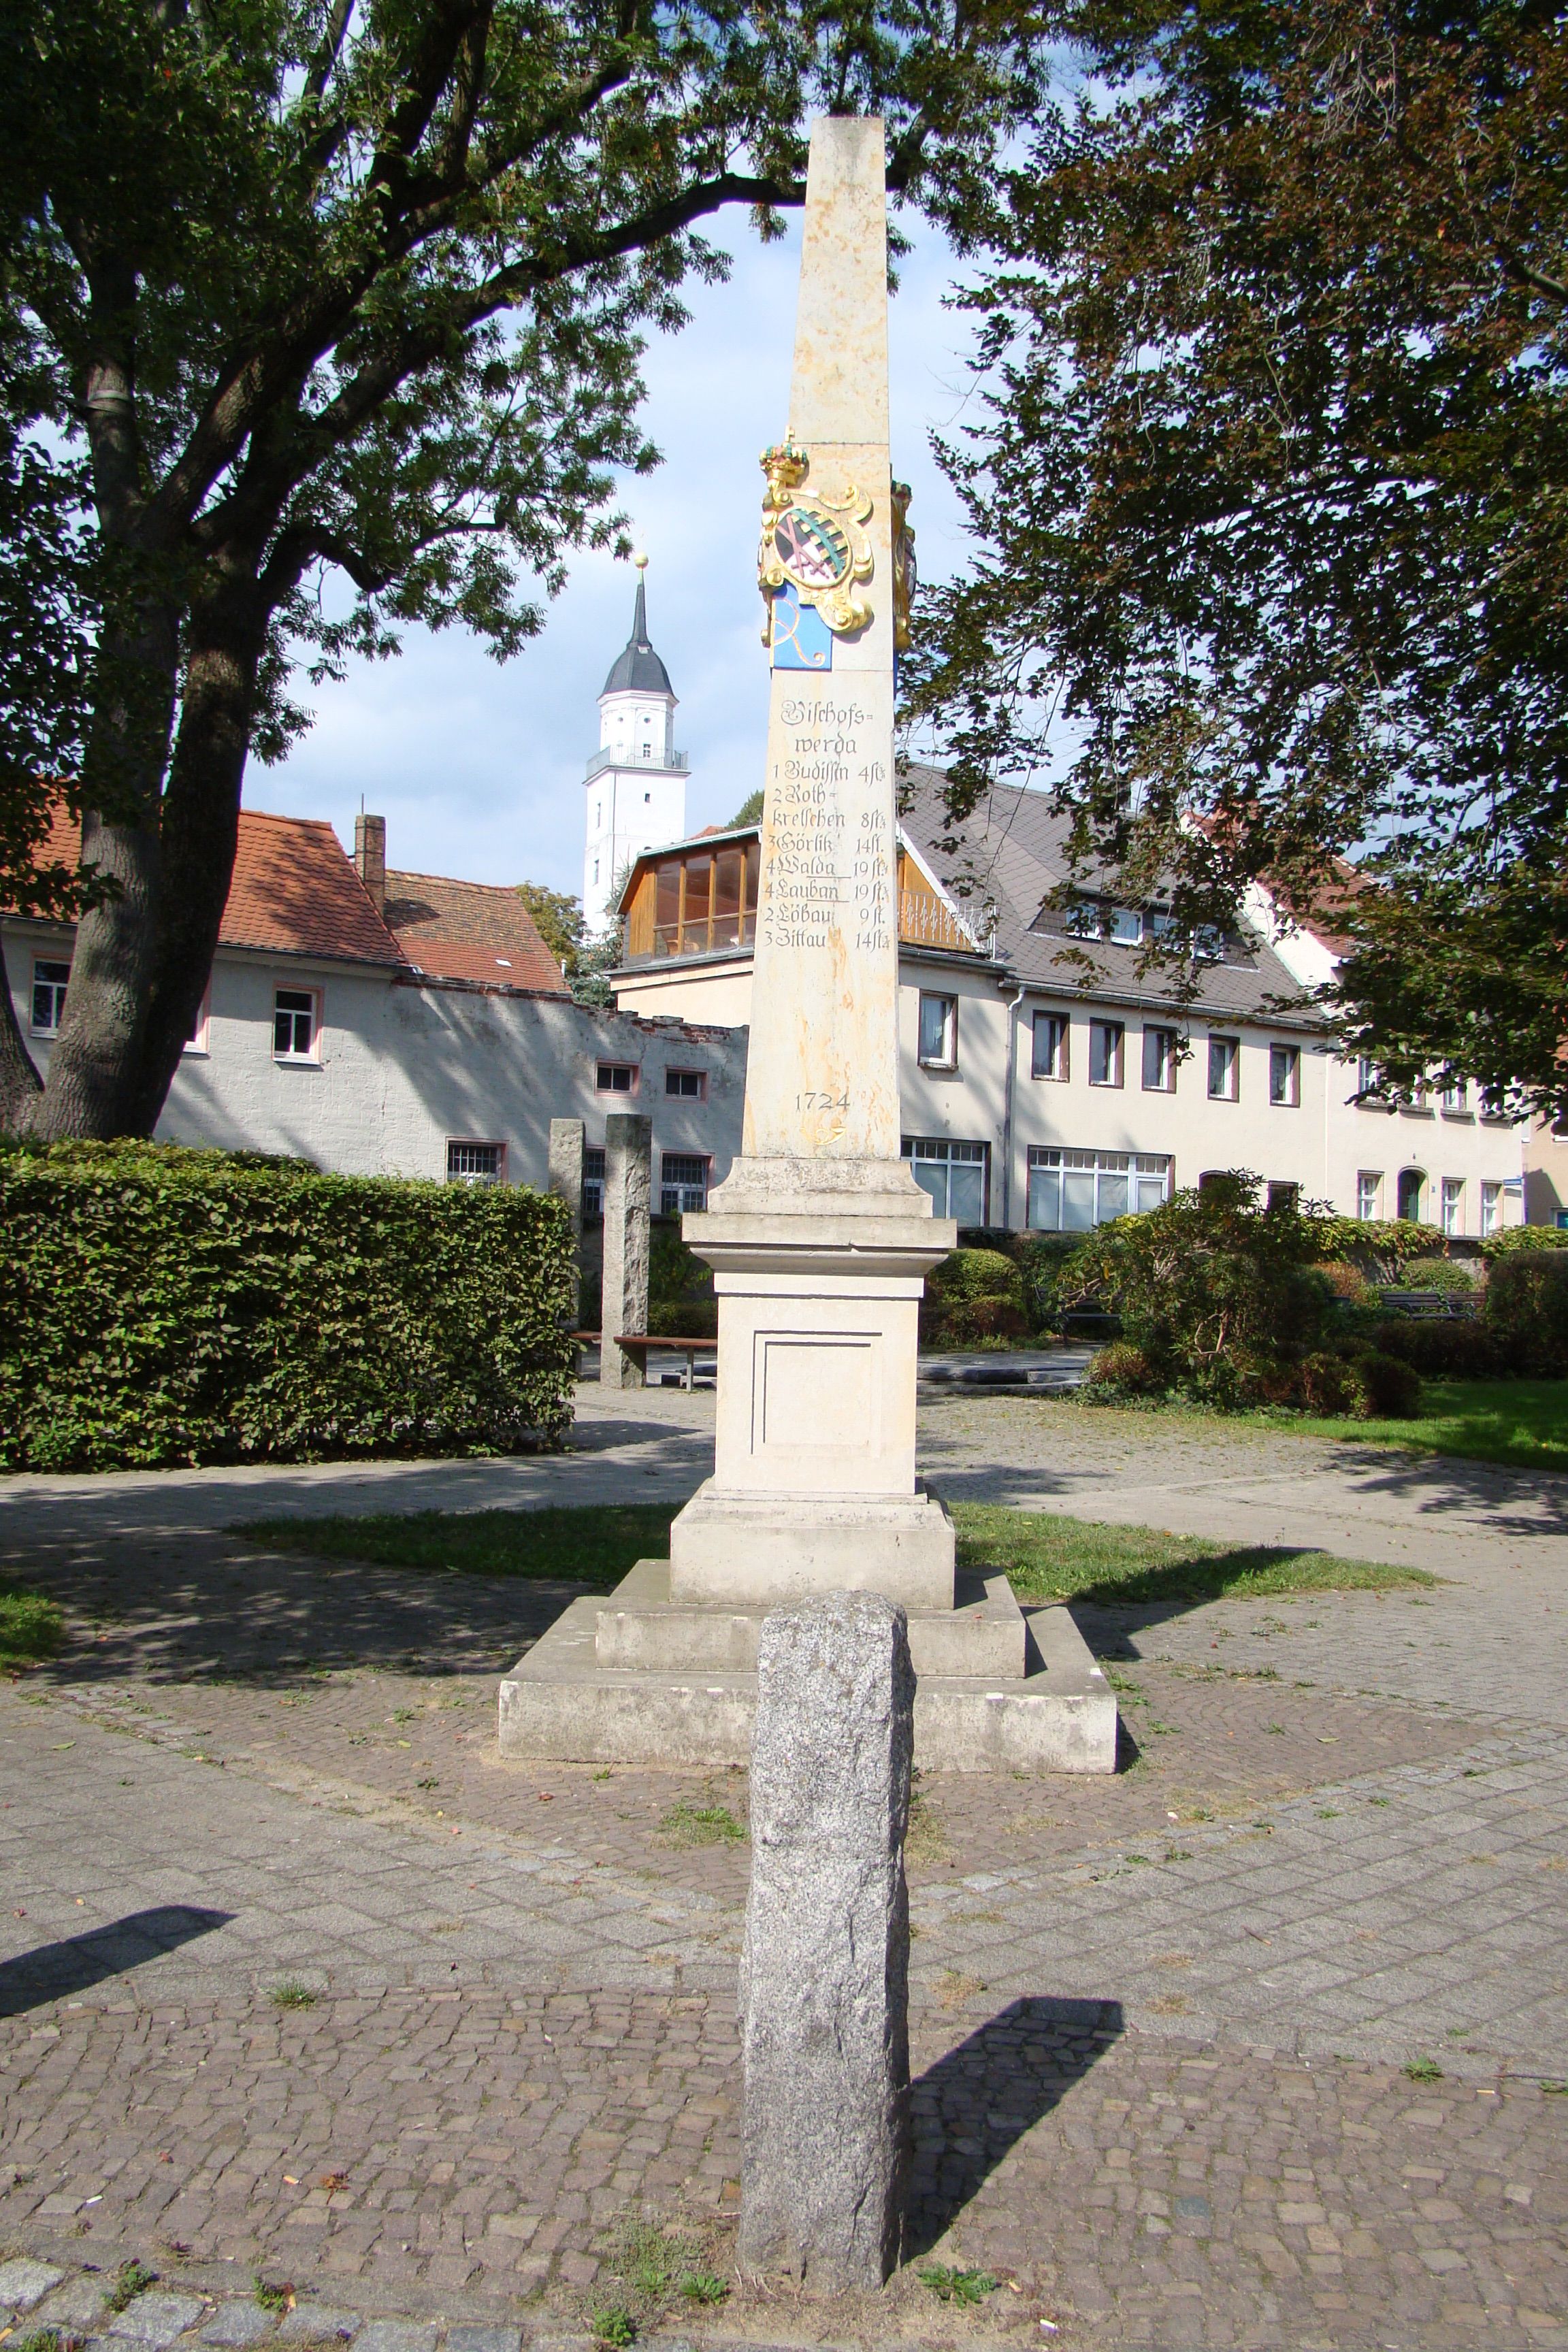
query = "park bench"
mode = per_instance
[
  {"x": 1430, "y": 1306},
  {"x": 637, "y": 1344}
]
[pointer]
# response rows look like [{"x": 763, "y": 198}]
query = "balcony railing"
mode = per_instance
[
  {"x": 925, "y": 922},
  {"x": 678, "y": 765}
]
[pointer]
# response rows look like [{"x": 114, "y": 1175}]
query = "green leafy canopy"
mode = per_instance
[{"x": 1270, "y": 474}]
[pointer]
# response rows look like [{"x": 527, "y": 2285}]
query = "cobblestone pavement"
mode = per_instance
[{"x": 1162, "y": 2024}]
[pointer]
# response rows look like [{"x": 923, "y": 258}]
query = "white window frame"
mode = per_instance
[
  {"x": 53, "y": 966},
  {"x": 285, "y": 1058},
  {"x": 496, "y": 1175},
  {"x": 947, "y": 1058},
  {"x": 1061, "y": 1060},
  {"x": 1452, "y": 1198},
  {"x": 1291, "y": 1097},
  {"x": 1172, "y": 1039},
  {"x": 948, "y": 1152},
  {"x": 1116, "y": 1058},
  {"x": 1144, "y": 1179},
  {"x": 1231, "y": 1093},
  {"x": 1454, "y": 1098},
  {"x": 1368, "y": 1194}
]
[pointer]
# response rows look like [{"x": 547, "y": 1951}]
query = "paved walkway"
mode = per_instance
[{"x": 1162, "y": 2024}]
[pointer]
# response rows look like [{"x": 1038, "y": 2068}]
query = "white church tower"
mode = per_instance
[{"x": 637, "y": 779}]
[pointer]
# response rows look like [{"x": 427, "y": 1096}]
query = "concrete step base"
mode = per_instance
[
  {"x": 983, "y": 1633},
  {"x": 563, "y": 1704}
]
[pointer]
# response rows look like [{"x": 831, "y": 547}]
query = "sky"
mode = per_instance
[{"x": 479, "y": 767}]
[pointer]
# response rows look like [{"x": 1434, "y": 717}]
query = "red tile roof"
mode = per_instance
[
  {"x": 293, "y": 890},
  {"x": 470, "y": 930}
]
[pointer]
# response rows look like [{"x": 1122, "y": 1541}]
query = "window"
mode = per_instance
[
  {"x": 1454, "y": 1097},
  {"x": 475, "y": 1163},
  {"x": 1368, "y": 1081},
  {"x": 1225, "y": 1068},
  {"x": 617, "y": 1079},
  {"x": 683, "y": 1182},
  {"x": 49, "y": 982},
  {"x": 690, "y": 1086},
  {"x": 1105, "y": 1042},
  {"x": 1493, "y": 1106},
  {"x": 593, "y": 1181},
  {"x": 1125, "y": 927},
  {"x": 1073, "y": 1191},
  {"x": 1453, "y": 1206},
  {"x": 1050, "y": 1048},
  {"x": 296, "y": 1024},
  {"x": 1411, "y": 1188},
  {"x": 1159, "y": 1061},
  {"x": 1285, "y": 1074},
  {"x": 1283, "y": 1196},
  {"x": 952, "y": 1173},
  {"x": 1368, "y": 1192},
  {"x": 198, "y": 1041},
  {"x": 1513, "y": 1201},
  {"x": 1492, "y": 1208},
  {"x": 939, "y": 1033}
]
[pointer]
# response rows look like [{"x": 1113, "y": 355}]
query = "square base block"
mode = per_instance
[
  {"x": 751, "y": 1550},
  {"x": 562, "y": 1705}
]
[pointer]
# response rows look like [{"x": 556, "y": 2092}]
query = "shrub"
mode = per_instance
[
  {"x": 973, "y": 1296},
  {"x": 1381, "y": 1247},
  {"x": 1322, "y": 1383},
  {"x": 680, "y": 1300},
  {"x": 1442, "y": 1350},
  {"x": 1219, "y": 1294},
  {"x": 1122, "y": 1369},
  {"x": 1451, "y": 1275},
  {"x": 1534, "y": 1239},
  {"x": 1526, "y": 1311},
  {"x": 1386, "y": 1390},
  {"x": 161, "y": 1305},
  {"x": 1345, "y": 1281},
  {"x": 1050, "y": 1268}
]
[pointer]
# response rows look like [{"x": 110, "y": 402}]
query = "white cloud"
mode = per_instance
[{"x": 478, "y": 768}]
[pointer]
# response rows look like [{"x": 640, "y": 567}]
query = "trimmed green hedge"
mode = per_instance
[{"x": 160, "y": 1305}]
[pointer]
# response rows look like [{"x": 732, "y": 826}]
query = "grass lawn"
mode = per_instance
[
  {"x": 1524, "y": 1423},
  {"x": 1046, "y": 1558},
  {"x": 31, "y": 1628}
]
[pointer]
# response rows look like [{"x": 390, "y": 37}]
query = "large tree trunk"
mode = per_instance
[
  {"x": 87, "y": 1091},
  {"x": 225, "y": 635}
]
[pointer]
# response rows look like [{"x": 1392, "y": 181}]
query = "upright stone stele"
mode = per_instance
[
  {"x": 825, "y": 1970},
  {"x": 566, "y": 1147},
  {"x": 819, "y": 1237},
  {"x": 628, "y": 1194}
]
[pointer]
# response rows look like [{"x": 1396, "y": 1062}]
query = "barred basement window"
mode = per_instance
[
  {"x": 683, "y": 1182},
  {"x": 593, "y": 1181},
  {"x": 475, "y": 1163}
]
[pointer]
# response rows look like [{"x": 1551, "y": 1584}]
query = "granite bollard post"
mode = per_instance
[
  {"x": 628, "y": 1205},
  {"x": 825, "y": 1971}
]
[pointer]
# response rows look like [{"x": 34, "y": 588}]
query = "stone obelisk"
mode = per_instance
[{"x": 820, "y": 1238}]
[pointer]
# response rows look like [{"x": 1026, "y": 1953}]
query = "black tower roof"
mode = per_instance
[{"x": 638, "y": 670}]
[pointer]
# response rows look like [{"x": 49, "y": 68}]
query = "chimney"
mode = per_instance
[{"x": 370, "y": 856}]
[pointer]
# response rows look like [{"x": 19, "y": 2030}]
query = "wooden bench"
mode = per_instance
[{"x": 637, "y": 1344}]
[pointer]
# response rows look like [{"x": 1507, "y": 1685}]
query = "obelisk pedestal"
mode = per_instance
[{"x": 819, "y": 1237}]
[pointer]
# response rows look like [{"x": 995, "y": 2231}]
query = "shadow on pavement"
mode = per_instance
[
  {"x": 71, "y": 1966},
  {"x": 977, "y": 2102}
]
